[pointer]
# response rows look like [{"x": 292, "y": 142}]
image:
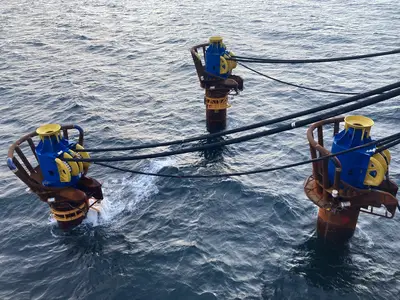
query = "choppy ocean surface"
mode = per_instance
[{"x": 122, "y": 70}]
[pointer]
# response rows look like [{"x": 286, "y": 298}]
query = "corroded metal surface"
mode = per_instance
[{"x": 338, "y": 214}]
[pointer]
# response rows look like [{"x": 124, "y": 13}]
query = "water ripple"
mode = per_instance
[{"x": 122, "y": 70}]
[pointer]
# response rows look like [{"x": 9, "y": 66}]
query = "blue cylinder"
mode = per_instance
[
  {"x": 355, "y": 164},
  {"x": 216, "y": 62},
  {"x": 52, "y": 147}
]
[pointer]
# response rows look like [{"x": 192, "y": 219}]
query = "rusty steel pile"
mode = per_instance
[{"x": 350, "y": 177}]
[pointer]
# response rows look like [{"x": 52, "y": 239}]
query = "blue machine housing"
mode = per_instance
[
  {"x": 355, "y": 163},
  {"x": 214, "y": 52},
  {"x": 48, "y": 149}
]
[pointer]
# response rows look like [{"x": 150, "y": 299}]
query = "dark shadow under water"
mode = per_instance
[{"x": 324, "y": 266}]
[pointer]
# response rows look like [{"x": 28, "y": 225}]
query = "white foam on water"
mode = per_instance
[
  {"x": 93, "y": 215},
  {"x": 122, "y": 194},
  {"x": 184, "y": 243},
  {"x": 51, "y": 220},
  {"x": 126, "y": 192}
]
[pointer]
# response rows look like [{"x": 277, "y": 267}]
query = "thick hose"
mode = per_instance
[
  {"x": 252, "y": 126},
  {"x": 377, "y": 143},
  {"x": 307, "y": 61},
  {"x": 387, "y": 146},
  {"x": 332, "y": 113}
]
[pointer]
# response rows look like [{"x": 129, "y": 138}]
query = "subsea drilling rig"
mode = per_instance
[{"x": 352, "y": 177}]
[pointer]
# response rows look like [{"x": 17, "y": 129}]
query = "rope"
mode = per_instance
[
  {"x": 76, "y": 207},
  {"x": 82, "y": 211},
  {"x": 296, "y": 85},
  {"x": 377, "y": 142},
  {"x": 306, "y": 61},
  {"x": 251, "y": 126},
  {"x": 332, "y": 113}
]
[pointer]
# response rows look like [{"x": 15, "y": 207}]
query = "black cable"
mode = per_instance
[
  {"x": 251, "y": 126},
  {"x": 96, "y": 201},
  {"x": 332, "y": 113},
  {"x": 82, "y": 211},
  {"x": 393, "y": 141},
  {"x": 387, "y": 146},
  {"x": 377, "y": 142},
  {"x": 76, "y": 207},
  {"x": 296, "y": 85},
  {"x": 306, "y": 61}
]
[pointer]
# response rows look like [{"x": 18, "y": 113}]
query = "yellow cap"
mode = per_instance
[
  {"x": 359, "y": 122},
  {"x": 215, "y": 39},
  {"x": 48, "y": 130}
]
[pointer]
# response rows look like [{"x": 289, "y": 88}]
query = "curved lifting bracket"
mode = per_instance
[
  {"x": 81, "y": 133},
  {"x": 79, "y": 128}
]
